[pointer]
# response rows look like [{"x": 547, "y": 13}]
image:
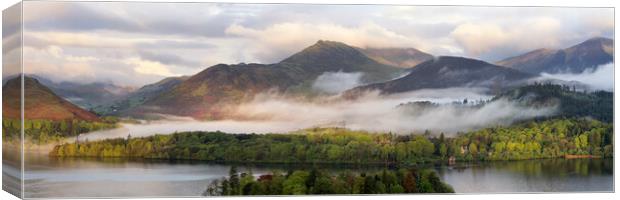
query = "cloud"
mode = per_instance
[
  {"x": 79, "y": 71},
  {"x": 75, "y": 16},
  {"x": 599, "y": 78},
  {"x": 204, "y": 34},
  {"x": 174, "y": 44},
  {"x": 57, "y": 52},
  {"x": 492, "y": 40},
  {"x": 189, "y": 19},
  {"x": 292, "y": 37},
  {"x": 149, "y": 67},
  {"x": 167, "y": 59},
  {"x": 11, "y": 29},
  {"x": 55, "y": 63},
  {"x": 86, "y": 40},
  {"x": 336, "y": 82}
]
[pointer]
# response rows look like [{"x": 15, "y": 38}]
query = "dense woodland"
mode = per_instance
[
  {"x": 572, "y": 102},
  {"x": 47, "y": 131},
  {"x": 315, "y": 181},
  {"x": 528, "y": 140}
]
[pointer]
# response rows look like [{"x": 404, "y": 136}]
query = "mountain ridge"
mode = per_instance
[
  {"x": 587, "y": 55},
  {"x": 397, "y": 57},
  {"x": 139, "y": 96},
  {"x": 445, "y": 72},
  {"x": 40, "y": 102},
  {"x": 207, "y": 94}
]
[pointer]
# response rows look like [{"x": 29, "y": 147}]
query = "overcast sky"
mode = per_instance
[{"x": 139, "y": 43}]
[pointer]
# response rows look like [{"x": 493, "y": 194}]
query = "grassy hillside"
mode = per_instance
[{"x": 39, "y": 103}]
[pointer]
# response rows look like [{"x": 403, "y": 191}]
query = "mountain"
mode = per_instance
[
  {"x": 139, "y": 96},
  {"x": 330, "y": 56},
  {"x": 447, "y": 71},
  {"x": 40, "y": 102},
  {"x": 397, "y": 57},
  {"x": 587, "y": 55},
  {"x": 208, "y": 94},
  {"x": 86, "y": 95}
]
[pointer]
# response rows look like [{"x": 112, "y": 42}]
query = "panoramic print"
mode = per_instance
[{"x": 137, "y": 99}]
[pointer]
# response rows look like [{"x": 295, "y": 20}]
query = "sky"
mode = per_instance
[{"x": 133, "y": 43}]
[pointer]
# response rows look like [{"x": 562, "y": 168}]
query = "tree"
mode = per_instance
[
  {"x": 443, "y": 150},
  {"x": 295, "y": 184},
  {"x": 312, "y": 178},
  {"x": 370, "y": 185},
  {"x": 409, "y": 183},
  {"x": 323, "y": 185},
  {"x": 473, "y": 149},
  {"x": 225, "y": 187},
  {"x": 234, "y": 181}
]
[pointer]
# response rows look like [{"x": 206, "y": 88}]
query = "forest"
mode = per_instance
[
  {"x": 572, "y": 102},
  {"x": 300, "y": 182},
  {"x": 553, "y": 138},
  {"x": 38, "y": 131}
]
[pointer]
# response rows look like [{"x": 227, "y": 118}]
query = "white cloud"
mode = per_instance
[
  {"x": 149, "y": 67},
  {"x": 57, "y": 52},
  {"x": 54, "y": 63},
  {"x": 212, "y": 33},
  {"x": 479, "y": 38},
  {"x": 279, "y": 40},
  {"x": 482, "y": 38}
]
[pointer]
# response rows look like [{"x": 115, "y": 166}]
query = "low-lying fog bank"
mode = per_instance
[
  {"x": 602, "y": 78},
  {"x": 272, "y": 113}
]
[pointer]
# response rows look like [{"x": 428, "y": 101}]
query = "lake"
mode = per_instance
[{"x": 75, "y": 177}]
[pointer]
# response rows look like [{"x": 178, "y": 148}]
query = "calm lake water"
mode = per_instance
[{"x": 50, "y": 177}]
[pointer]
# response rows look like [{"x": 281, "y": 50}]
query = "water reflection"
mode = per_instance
[
  {"x": 551, "y": 175},
  {"x": 71, "y": 177}
]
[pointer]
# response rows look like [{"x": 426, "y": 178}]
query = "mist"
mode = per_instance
[
  {"x": 168, "y": 126},
  {"x": 600, "y": 79},
  {"x": 376, "y": 113},
  {"x": 336, "y": 82},
  {"x": 276, "y": 113}
]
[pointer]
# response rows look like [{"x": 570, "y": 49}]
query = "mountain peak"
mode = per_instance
[
  {"x": 595, "y": 43},
  {"x": 446, "y": 72},
  {"x": 328, "y": 42},
  {"x": 331, "y": 56},
  {"x": 323, "y": 48},
  {"x": 455, "y": 62}
]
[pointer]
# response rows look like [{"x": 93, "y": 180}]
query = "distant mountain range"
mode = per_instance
[
  {"x": 210, "y": 93},
  {"x": 448, "y": 71},
  {"x": 139, "y": 96},
  {"x": 86, "y": 95},
  {"x": 207, "y": 94},
  {"x": 587, "y": 55},
  {"x": 40, "y": 102}
]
